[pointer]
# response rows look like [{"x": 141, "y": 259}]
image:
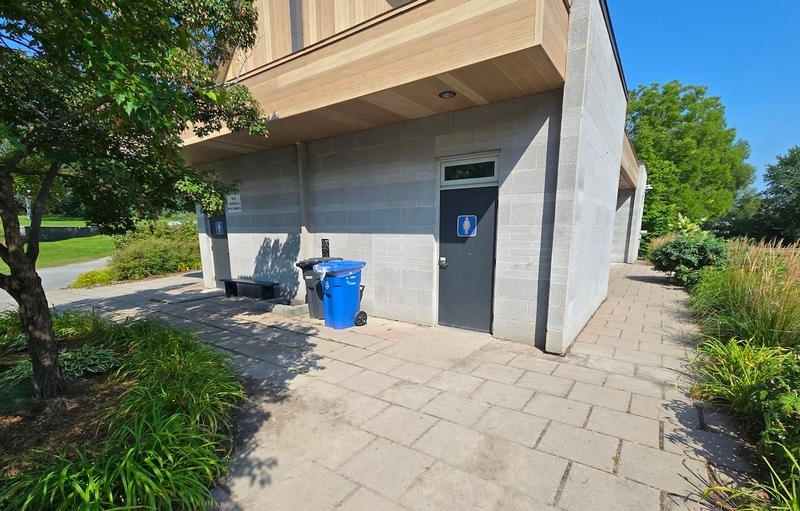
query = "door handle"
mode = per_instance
[{"x": 442, "y": 262}]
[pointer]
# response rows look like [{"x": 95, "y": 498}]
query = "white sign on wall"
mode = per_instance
[{"x": 234, "y": 203}]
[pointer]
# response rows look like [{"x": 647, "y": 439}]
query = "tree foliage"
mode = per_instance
[
  {"x": 773, "y": 213},
  {"x": 96, "y": 97},
  {"x": 782, "y": 196},
  {"x": 696, "y": 165}
]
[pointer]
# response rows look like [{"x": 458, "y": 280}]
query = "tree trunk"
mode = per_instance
[
  {"x": 37, "y": 323},
  {"x": 25, "y": 286}
]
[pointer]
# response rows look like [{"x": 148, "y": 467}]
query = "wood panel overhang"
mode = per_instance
[
  {"x": 392, "y": 69},
  {"x": 629, "y": 166}
]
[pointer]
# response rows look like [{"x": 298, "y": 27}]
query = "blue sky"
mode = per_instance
[{"x": 746, "y": 52}]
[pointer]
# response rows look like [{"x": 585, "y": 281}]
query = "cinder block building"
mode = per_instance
[{"x": 472, "y": 152}]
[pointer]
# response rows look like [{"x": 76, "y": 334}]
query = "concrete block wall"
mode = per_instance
[
  {"x": 526, "y": 132},
  {"x": 374, "y": 194},
  {"x": 588, "y": 176},
  {"x": 623, "y": 225},
  {"x": 264, "y": 239}
]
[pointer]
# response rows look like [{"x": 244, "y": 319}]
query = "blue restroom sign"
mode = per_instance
[{"x": 467, "y": 226}]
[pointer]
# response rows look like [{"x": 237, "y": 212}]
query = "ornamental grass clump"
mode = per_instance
[{"x": 756, "y": 295}]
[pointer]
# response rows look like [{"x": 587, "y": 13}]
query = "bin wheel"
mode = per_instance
[{"x": 360, "y": 319}]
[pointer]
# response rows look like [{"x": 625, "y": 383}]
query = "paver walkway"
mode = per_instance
[{"x": 395, "y": 416}]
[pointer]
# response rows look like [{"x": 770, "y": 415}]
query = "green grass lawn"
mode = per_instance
[
  {"x": 76, "y": 250},
  {"x": 54, "y": 221}
]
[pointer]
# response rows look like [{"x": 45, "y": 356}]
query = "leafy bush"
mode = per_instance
[
  {"x": 686, "y": 255},
  {"x": 158, "y": 256},
  {"x": 167, "y": 443},
  {"x": 756, "y": 295},
  {"x": 92, "y": 278},
  {"x": 182, "y": 229}
]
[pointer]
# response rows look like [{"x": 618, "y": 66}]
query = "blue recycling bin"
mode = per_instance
[{"x": 341, "y": 293}]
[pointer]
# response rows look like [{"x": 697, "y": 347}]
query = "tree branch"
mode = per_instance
[
  {"x": 5, "y": 282},
  {"x": 38, "y": 212}
]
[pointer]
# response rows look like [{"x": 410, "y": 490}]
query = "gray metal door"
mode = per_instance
[
  {"x": 218, "y": 231},
  {"x": 466, "y": 257}
]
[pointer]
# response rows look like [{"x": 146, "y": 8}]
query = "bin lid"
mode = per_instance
[
  {"x": 306, "y": 264},
  {"x": 341, "y": 268}
]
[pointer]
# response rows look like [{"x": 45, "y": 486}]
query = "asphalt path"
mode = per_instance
[{"x": 58, "y": 277}]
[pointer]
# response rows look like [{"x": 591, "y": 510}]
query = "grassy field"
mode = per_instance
[
  {"x": 54, "y": 221},
  {"x": 77, "y": 250}
]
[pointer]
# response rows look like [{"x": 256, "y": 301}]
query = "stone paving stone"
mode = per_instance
[
  {"x": 386, "y": 468},
  {"x": 663, "y": 470},
  {"x": 601, "y": 396},
  {"x": 509, "y": 464},
  {"x": 585, "y": 348},
  {"x": 356, "y": 408},
  {"x": 361, "y": 340},
  {"x": 455, "y": 408},
  {"x": 577, "y": 373},
  {"x": 456, "y": 383},
  {"x": 644, "y": 336},
  {"x": 515, "y": 426},
  {"x": 663, "y": 375},
  {"x": 444, "y": 488},
  {"x": 309, "y": 486},
  {"x": 514, "y": 501},
  {"x": 417, "y": 373},
  {"x": 457, "y": 446},
  {"x": 601, "y": 330},
  {"x": 664, "y": 349},
  {"x": 587, "y": 447},
  {"x": 635, "y": 385},
  {"x": 552, "y": 385},
  {"x": 589, "y": 489},
  {"x": 638, "y": 357},
  {"x": 369, "y": 382},
  {"x": 624, "y": 425},
  {"x": 333, "y": 371},
  {"x": 500, "y": 394},
  {"x": 399, "y": 424},
  {"x": 671, "y": 502},
  {"x": 486, "y": 354},
  {"x": 365, "y": 500},
  {"x": 380, "y": 363},
  {"x": 650, "y": 407},
  {"x": 558, "y": 409},
  {"x": 498, "y": 373},
  {"x": 610, "y": 365},
  {"x": 409, "y": 395},
  {"x": 535, "y": 364},
  {"x": 716, "y": 447},
  {"x": 617, "y": 342},
  {"x": 349, "y": 354}
]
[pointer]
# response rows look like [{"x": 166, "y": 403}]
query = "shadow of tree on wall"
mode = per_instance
[{"x": 275, "y": 262}]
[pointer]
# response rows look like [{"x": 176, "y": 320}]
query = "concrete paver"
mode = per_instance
[{"x": 394, "y": 416}]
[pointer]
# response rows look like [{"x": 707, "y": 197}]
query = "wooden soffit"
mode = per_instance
[{"x": 393, "y": 68}]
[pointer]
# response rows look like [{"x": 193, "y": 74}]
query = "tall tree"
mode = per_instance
[
  {"x": 781, "y": 199},
  {"x": 96, "y": 95},
  {"x": 695, "y": 163}
]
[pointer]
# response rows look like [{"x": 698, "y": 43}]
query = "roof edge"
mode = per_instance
[{"x": 613, "y": 37}]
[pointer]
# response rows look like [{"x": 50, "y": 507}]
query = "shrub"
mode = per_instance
[
  {"x": 92, "y": 278},
  {"x": 158, "y": 256},
  {"x": 184, "y": 229},
  {"x": 756, "y": 295},
  {"x": 686, "y": 255}
]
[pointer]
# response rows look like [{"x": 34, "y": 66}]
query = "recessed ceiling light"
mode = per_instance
[{"x": 447, "y": 94}]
